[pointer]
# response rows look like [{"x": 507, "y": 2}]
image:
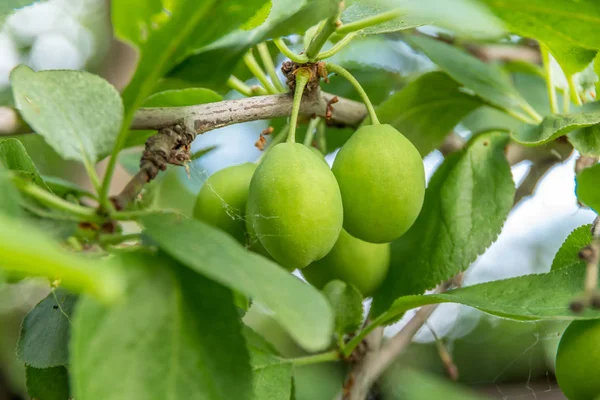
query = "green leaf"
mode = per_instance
[
  {"x": 588, "y": 187},
  {"x": 466, "y": 204},
  {"x": 46, "y": 330},
  {"x": 174, "y": 335},
  {"x": 17, "y": 239},
  {"x": 568, "y": 254},
  {"x": 77, "y": 113},
  {"x": 47, "y": 383},
  {"x": 62, "y": 187},
  {"x": 586, "y": 140},
  {"x": 415, "y": 385},
  {"x": 486, "y": 80},
  {"x": 359, "y": 9},
  {"x": 525, "y": 298},
  {"x": 10, "y": 198},
  {"x": 427, "y": 109},
  {"x": 182, "y": 97},
  {"x": 568, "y": 28},
  {"x": 212, "y": 65},
  {"x": 554, "y": 126},
  {"x": 14, "y": 157},
  {"x": 346, "y": 302},
  {"x": 217, "y": 255},
  {"x": 166, "y": 34},
  {"x": 273, "y": 382}
]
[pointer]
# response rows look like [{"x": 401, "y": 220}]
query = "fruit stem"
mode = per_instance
[
  {"x": 286, "y": 51},
  {"x": 267, "y": 61},
  {"x": 303, "y": 76},
  {"x": 236, "y": 84},
  {"x": 257, "y": 71},
  {"x": 370, "y": 21},
  {"x": 310, "y": 132},
  {"x": 316, "y": 358},
  {"x": 346, "y": 74},
  {"x": 549, "y": 81},
  {"x": 321, "y": 138},
  {"x": 337, "y": 47},
  {"x": 573, "y": 89}
]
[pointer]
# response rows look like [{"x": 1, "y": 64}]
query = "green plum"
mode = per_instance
[
  {"x": 382, "y": 181},
  {"x": 222, "y": 200},
  {"x": 353, "y": 261},
  {"x": 578, "y": 360},
  {"x": 294, "y": 206}
]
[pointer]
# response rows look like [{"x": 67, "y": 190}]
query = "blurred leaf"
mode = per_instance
[
  {"x": 217, "y": 255},
  {"x": 9, "y": 200},
  {"x": 14, "y": 157},
  {"x": 427, "y": 109},
  {"x": 174, "y": 335},
  {"x": 486, "y": 80},
  {"x": 586, "y": 140},
  {"x": 165, "y": 35},
  {"x": 46, "y": 330},
  {"x": 212, "y": 65},
  {"x": 360, "y": 9},
  {"x": 346, "y": 302},
  {"x": 568, "y": 254},
  {"x": 260, "y": 17},
  {"x": 415, "y": 385},
  {"x": 526, "y": 298},
  {"x": 182, "y": 97},
  {"x": 77, "y": 113},
  {"x": 568, "y": 28},
  {"x": 466, "y": 203},
  {"x": 48, "y": 383},
  {"x": 554, "y": 126},
  {"x": 62, "y": 187},
  {"x": 588, "y": 187},
  {"x": 273, "y": 382},
  {"x": 101, "y": 279}
]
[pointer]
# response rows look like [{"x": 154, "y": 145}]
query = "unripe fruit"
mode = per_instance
[
  {"x": 578, "y": 360},
  {"x": 382, "y": 181},
  {"x": 294, "y": 205},
  {"x": 353, "y": 261},
  {"x": 222, "y": 200}
]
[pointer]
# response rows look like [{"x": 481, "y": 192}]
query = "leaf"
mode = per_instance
[
  {"x": 9, "y": 200},
  {"x": 427, "y": 109},
  {"x": 174, "y": 335},
  {"x": 101, "y": 279},
  {"x": 14, "y": 157},
  {"x": 568, "y": 254},
  {"x": 62, "y": 187},
  {"x": 77, "y": 113},
  {"x": 166, "y": 34},
  {"x": 586, "y": 140},
  {"x": 217, "y": 255},
  {"x": 525, "y": 298},
  {"x": 466, "y": 204},
  {"x": 346, "y": 302},
  {"x": 415, "y": 385},
  {"x": 568, "y": 28},
  {"x": 182, "y": 97},
  {"x": 588, "y": 187},
  {"x": 554, "y": 126},
  {"x": 210, "y": 66},
  {"x": 46, "y": 330},
  {"x": 273, "y": 382},
  {"x": 486, "y": 80},
  {"x": 47, "y": 383},
  {"x": 359, "y": 9}
]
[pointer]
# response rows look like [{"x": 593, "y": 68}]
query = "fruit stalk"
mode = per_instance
[{"x": 303, "y": 76}]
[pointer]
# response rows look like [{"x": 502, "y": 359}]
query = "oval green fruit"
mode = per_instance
[
  {"x": 353, "y": 261},
  {"x": 382, "y": 181},
  {"x": 294, "y": 205},
  {"x": 578, "y": 360},
  {"x": 222, "y": 199}
]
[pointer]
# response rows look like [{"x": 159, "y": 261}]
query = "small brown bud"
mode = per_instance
[
  {"x": 577, "y": 306},
  {"x": 261, "y": 142},
  {"x": 268, "y": 131}
]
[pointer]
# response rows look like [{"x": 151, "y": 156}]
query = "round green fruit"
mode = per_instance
[
  {"x": 353, "y": 261},
  {"x": 294, "y": 206},
  {"x": 222, "y": 200},
  {"x": 382, "y": 181},
  {"x": 578, "y": 360}
]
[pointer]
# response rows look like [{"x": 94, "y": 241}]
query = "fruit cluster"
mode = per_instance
[{"x": 332, "y": 223}]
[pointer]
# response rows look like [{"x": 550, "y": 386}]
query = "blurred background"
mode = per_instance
[{"x": 504, "y": 359}]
